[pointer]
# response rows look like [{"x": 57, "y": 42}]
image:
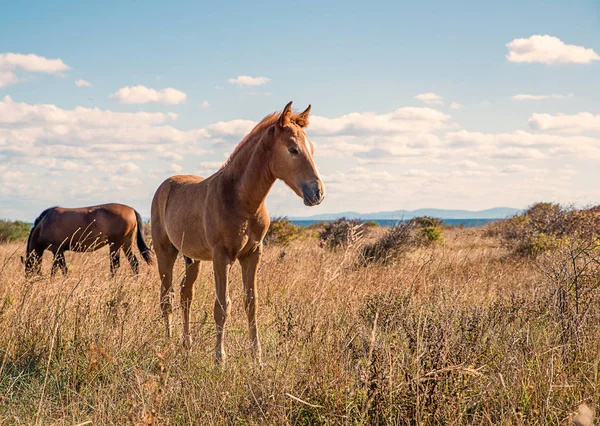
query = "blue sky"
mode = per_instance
[{"x": 362, "y": 65}]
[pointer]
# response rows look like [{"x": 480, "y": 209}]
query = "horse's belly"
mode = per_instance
[
  {"x": 88, "y": 244},
  {"x": 190, "y": 242},
  {"x": 198, "y": 254}
]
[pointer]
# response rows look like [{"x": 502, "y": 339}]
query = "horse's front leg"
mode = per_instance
[
  {"x": 221, "y": 265},
  {"x": 59, "y": 261},
  {"x": 249, "y": 269}
]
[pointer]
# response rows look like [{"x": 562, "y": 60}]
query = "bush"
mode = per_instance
[
  {"x": 13, "y": 231},
  {"x": 371, "y": 224},
  {"x": 397, "y": 240},
  {"x": 546, "y": 226},
  {"x": 341, "y": 233},
  {"x": 430, "y": 234},
  {"x": 427, "y": 222},
  {"x": 282, "y": 231}
]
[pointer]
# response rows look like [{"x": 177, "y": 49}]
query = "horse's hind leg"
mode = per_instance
[
  {"x": 115, "y": 258},
  {"x": 166, "y": 254},
  {"x": 135, "y": 265},
  {"x": 187, "y": 293}
]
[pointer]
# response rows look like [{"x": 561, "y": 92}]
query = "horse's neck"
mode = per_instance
[{"x": 252, "y": 176}]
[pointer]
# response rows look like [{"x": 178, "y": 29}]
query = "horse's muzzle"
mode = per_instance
[{"x": 313, "y": 193}]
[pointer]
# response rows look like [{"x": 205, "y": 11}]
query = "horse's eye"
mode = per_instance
[{"x": 293, "y": 150}]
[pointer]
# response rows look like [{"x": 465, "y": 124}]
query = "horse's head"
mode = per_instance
[
  {"x": 32, "y": 264},
  {"x": 293, "y": 157},
  {"x": 33, "y": 256}
]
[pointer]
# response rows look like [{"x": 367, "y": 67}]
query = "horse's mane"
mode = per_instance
[
  {"x": 254, "y": 134},
  {"x": 258, "y": 130},
  {"x": 36, "y": 223}
]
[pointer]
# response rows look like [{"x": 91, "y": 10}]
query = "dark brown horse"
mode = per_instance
[
  {"x": 223, "y": 218},
  {"x": 85, "y": 229}
]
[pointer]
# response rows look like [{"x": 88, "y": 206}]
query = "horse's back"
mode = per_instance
[
  {"x": 84, "y": 225},
  {"x": 170, "y": 191}
]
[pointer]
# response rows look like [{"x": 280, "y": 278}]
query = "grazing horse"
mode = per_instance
[
  {"x": 85, "y": 229},
  {"x": 223, "y": 218}
]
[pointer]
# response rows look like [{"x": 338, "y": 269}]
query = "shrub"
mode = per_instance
[
  {"x": 397, "y": 240},
  {"x": 13, "y": 231},
  {"x": 429, "y": 229},
  {"x": 546, "y": 226},
  {"x": 427, "y": 222},
  {"x": 282, "y": 231},
  {"x": 371, "y": 224},
  {"x": 430, "y": 234},
  {"x": 341, "y": 233}
]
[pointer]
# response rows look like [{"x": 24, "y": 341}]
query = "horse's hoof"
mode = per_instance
[
  {"x": 187, "y": 342},
  {"x": 220, "y": 357}
]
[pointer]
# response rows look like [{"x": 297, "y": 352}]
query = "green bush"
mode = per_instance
[
  {"x": 282, "y": 231},
  {"x": 427, "y": 222},
  {"x": 430, "y": 234},
  {"x": 371, "y": 224},
  {"x": 13, "y": 231}
]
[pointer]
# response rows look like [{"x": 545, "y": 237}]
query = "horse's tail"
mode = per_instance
[{"x": 143, "y": 248}]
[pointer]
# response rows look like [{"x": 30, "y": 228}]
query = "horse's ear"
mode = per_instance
[
  {"x": 286, "y": 115},
  {"x": 302, "y": 118}
]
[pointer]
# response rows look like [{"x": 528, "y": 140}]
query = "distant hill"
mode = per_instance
[{"x": 494, "y": 213}]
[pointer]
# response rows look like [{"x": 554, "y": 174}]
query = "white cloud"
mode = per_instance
[
  {"x": 519, "y": 168},
  {"x": 521, "y": 145},
  {"x": 430, "y": 98},
  {"x": 416, "y": 173},
  {"x": 83, "y": 83},
  {"x": 175, "y": 168},
  {"x": 144, "y": 95},
  {"x": 11, "y": 64},
  {"x": 235, "y": 129},
  {"x": 546, "y": 49},
  {"x": 171, "y": 156},
  {"x": 127, "y": 168},
  {"x": 575, "y": 123},
  {"x": 7, "y": 78},
  {"x": 401, "y": 120},
  {"x": 246, "y": 80},
  {"x": 45, "y": 130},
  {"x": 456, "y": 105},
  {"x": 12, "y": 112},
  {"x": 205, "y": 105},
  {"x": 526, "y": 97},
  {"x": 32, "y": 63}
]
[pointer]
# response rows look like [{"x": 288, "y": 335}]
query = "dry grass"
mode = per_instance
[{"x": 453, "y": 333}]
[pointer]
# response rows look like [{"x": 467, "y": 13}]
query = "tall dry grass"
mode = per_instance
[{"x": 453, "y": 333}]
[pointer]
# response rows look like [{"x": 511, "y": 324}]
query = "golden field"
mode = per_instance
[{"x": 458, "y": 332}]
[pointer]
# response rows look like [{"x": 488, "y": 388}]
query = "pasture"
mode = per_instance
[{"x": 457, "y": 332}]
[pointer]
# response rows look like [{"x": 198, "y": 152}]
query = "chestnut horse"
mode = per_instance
[
  {"x": 85, "y": 229},
  {"x": 223, "y": 218}
]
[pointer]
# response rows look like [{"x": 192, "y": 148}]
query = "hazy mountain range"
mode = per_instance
[{"x": 494, "y": 213}]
